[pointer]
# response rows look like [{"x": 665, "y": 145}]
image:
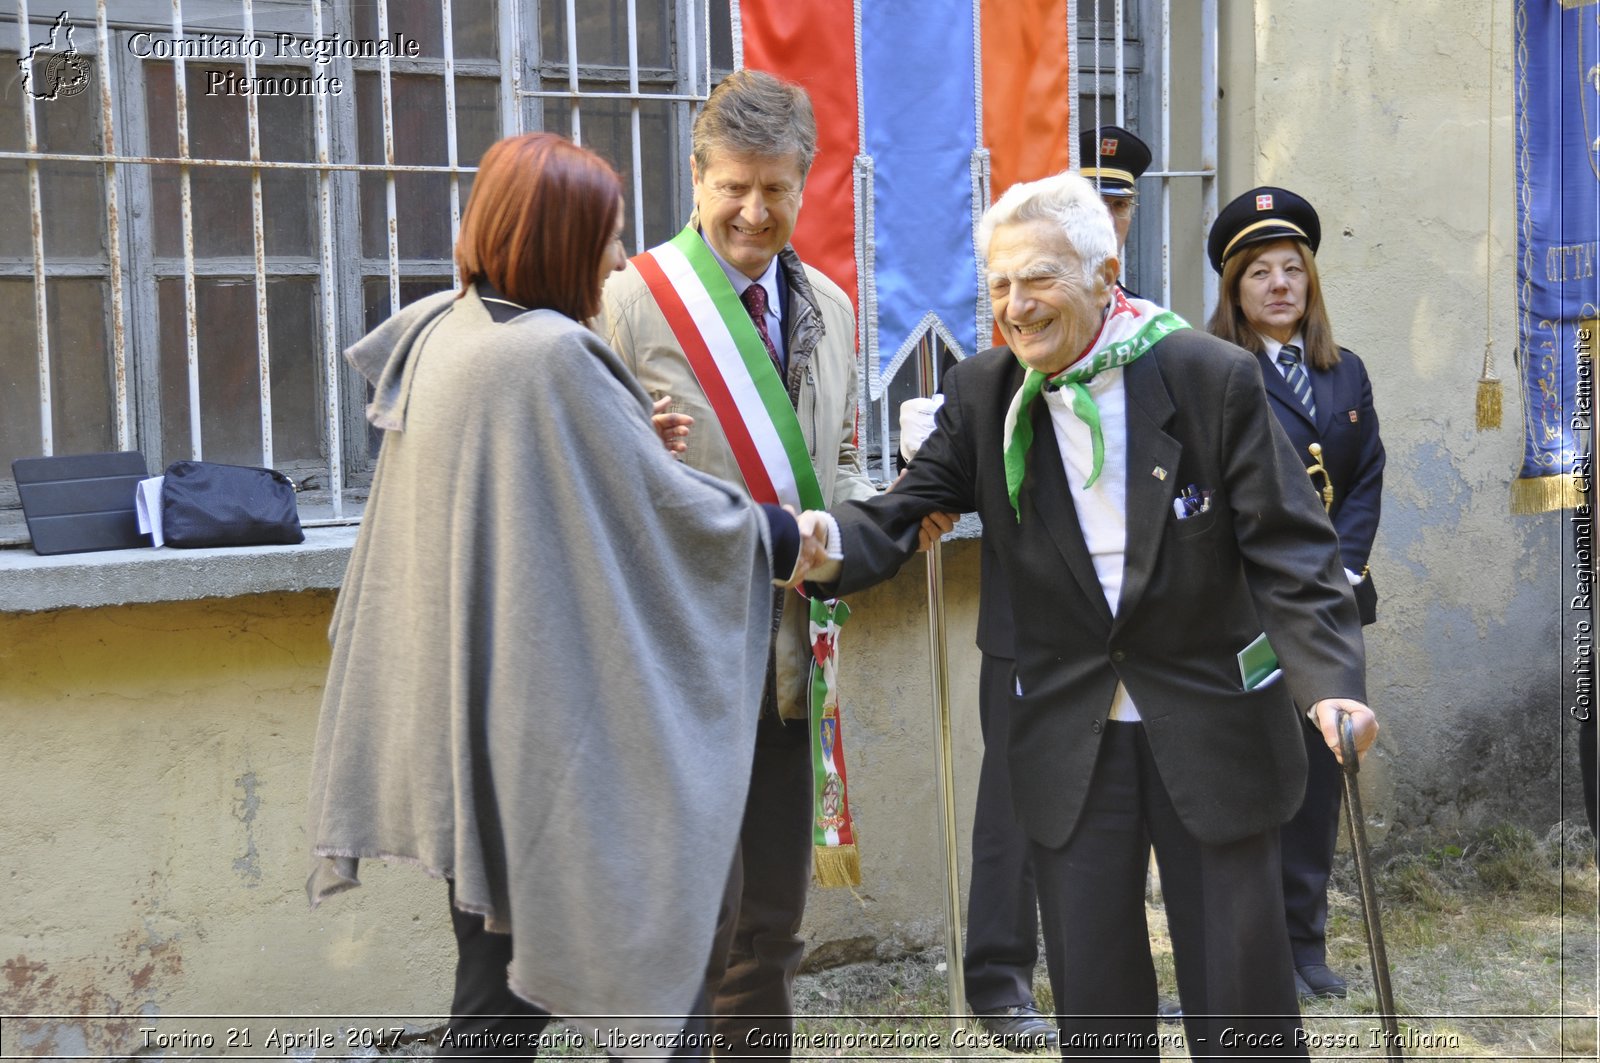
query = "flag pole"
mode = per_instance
[{"x": 943, "y": 757}]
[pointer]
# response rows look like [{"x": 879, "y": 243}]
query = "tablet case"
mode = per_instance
[{"x": 78, "y": 503}]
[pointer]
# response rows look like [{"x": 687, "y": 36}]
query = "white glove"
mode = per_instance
[{"x": 916, "y": 424}]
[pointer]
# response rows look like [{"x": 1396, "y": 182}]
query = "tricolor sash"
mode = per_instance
[{"x": 731, "y": 365}]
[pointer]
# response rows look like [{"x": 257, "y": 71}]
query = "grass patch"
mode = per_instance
[{"x": 1491, "y": 938}]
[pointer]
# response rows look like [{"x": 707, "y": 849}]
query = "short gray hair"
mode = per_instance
[
  {"x": 1067, "y": 201},
  {"x": 753, "y": 113}
]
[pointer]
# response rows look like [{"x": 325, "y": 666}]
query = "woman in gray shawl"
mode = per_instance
[{"x": 548, "y": 638}]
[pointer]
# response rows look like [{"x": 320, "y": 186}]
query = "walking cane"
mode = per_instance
[
  {"x": 943, "y": 760},
  {"x": 1369, "y": 891},
  {"x": 1358, "y": 832}
]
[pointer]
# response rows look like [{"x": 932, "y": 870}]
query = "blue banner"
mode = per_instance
[
  {"x": 920, "y": 131},
  {"x": 1558, "y": 229}
]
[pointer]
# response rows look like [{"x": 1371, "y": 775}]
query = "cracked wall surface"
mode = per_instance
[
  {"x": 154, "y": 859},
  {"x": 1398, "y": 126}
]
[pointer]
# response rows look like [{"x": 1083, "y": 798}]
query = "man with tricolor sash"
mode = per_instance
[
  {"x": 736, "y": 337},
  {"x": 1176, "y": 591}
]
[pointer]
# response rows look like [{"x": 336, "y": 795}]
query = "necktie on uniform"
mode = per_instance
[
  {"x": 1294, "y": 373},
  {"x": 755, "y": 301}
]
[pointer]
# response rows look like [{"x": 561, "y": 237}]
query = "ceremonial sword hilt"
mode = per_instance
[{"x": 1316, "y": 470}]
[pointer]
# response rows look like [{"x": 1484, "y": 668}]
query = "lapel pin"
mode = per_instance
[
  {"x": 1159, "y": 473},
  {"x": 1354, "y": 417}
]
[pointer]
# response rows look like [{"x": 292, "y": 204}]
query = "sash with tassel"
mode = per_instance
[{"x": 732, "y": 367}]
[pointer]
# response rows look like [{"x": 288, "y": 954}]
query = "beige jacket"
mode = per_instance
[{"x": 820, "y": 340}]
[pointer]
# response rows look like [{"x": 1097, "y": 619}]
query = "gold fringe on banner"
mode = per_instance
[
  {"x": 836, "y": 865},
  {"x": 1541, "y": 494},
  {"x": 1490, "y": 392}
]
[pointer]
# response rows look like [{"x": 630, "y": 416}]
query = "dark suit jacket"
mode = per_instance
[
  {"x": 1195, "y": 591},
  {"x": 1347, "y": 428}
]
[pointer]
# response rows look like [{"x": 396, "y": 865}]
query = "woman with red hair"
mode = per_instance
[{"x": 547, "y": 638}]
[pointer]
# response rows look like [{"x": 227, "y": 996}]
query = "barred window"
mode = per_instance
[{"x": 218, "y": 196}]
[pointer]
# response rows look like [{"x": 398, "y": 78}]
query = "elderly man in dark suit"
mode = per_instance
[{"x": 1176, "y": 590}]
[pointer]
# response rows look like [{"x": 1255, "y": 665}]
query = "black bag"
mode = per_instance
[{"x": 206, "y": 504}]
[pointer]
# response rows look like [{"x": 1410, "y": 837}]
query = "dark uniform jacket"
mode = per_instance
[
  {"x": 1195, "y": 591},
  {"x": 1352, "y": 453}
]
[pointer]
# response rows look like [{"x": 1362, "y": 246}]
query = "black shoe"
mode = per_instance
[
  {"x": 1170, "y": 1011},
  {"x": 1021, "y": 1028},
  {"x": 1313, "y": 980}
]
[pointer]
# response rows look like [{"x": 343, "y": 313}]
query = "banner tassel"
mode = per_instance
[
  {"x": 1490, "y": 400},
  {"x": 1543, "y": 494}
]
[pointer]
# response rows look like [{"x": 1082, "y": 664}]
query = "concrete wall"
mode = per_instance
[
  {"x": 1396, "y": 122},
  {"x": 154, "y": 855}
]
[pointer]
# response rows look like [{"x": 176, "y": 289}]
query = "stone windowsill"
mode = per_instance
[{"x": 30, "y": 583}]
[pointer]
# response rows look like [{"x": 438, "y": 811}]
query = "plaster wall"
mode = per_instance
[
  {"x": 1396, "y": 122},
  {"x": 154, "y": 854}
]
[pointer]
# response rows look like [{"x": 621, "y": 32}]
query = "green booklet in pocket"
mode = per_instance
[{"x": 1258, "y": 664}]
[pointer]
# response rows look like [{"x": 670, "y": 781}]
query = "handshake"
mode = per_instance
[{"x": 820, "y": 550}]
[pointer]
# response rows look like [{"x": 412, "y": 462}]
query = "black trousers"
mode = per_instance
[
  {"x": 1224, "y": 908},
  {"x": 1308, "y": 841},
  {"x": 488, "y": 1019},
  {"x": 757, "y": 952},
  {"x": 1002, "y": 910}
]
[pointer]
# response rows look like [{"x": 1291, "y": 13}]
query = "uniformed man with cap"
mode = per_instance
[
  {"x": 1113, "y": 159},
  {"x": 1264, "y": 245},
  {"x": 1002, "y": 912}
]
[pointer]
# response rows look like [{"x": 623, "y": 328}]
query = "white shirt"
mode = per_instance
[
  {"x": 1103, "y": 508},
  {"x": 769, "y": 281},
  {"x": 1273, "y": 347}
]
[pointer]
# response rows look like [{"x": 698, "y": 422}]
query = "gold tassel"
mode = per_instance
[
  {"x": 1542, "y": 494},
  {"x": 836, "y": 865},
  {"x": 1490, "y": 390}
]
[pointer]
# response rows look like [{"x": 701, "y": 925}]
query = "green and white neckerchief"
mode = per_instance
[{"x": 1131, "y": 327}]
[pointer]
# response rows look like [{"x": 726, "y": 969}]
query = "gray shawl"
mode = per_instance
[{"x": 547, "y": 656}]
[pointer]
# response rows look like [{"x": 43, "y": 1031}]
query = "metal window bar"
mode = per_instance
[
  {"x": 389, "y": 207},
  {"x": 258, "y": 238},
  {"x": 243, "y": 164},
  {"x": 332, "y": 419},
  {"x": 119, "y": 324},
  {"x": 512, "y": 118},
  {"x": 572, "y": 68},
  {"x": 41, "y": 316},
  {"x": 447, "y": 36},
  {"x": 1117, "y": 30},
  {"x": 190, "y": 314},
  {"x": 635, "y": 138}
]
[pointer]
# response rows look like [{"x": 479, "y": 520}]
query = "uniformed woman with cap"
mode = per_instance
[{"x": 1263, "y": 244}]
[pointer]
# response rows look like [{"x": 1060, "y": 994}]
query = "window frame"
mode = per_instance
[{"x": 338, "y": 269}]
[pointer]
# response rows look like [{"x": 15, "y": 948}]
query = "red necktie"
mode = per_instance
[{"x": 755, "y": 301}]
